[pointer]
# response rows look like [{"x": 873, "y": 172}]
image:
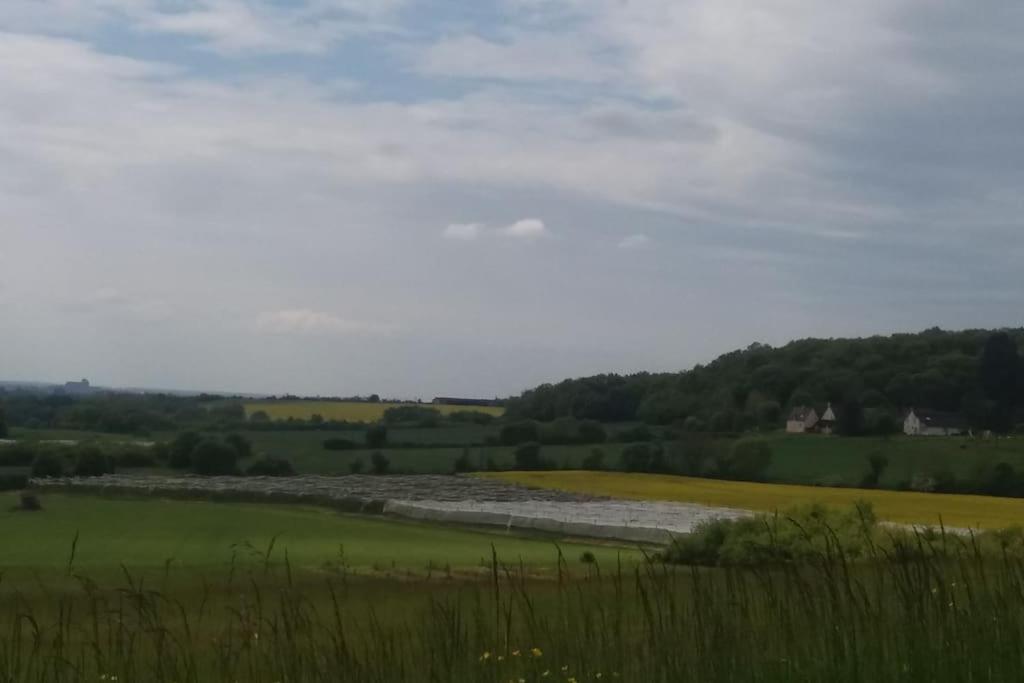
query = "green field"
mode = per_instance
[
  {"x": 146, "y": 533},
  {"x": 348, "y": 411}
]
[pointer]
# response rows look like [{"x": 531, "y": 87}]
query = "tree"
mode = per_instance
[
  {"x": 747, "y": 460},
  {"x": 180, "y": 450},
  {"x": 92, "y": 462},
  {"x": 516, "y": 433},
  {"x": 241, "y": 445},
  {"x": 271, "y": 467},
  {"x": 47, "y": 465},
  {"x": 643, "y": 457},
  {"x": 260, "y": 416},
  {"x": 528, "y": 457},
  {"x": 212, "y": 457},
  {"x": 850, "y": 418},
  {"x": 998, "y": 370},
  {"x": 3, "y": 423},
  {"x": 592, "y": 431},
  {"x": 876, "y": 466},
  {"x": 594, "y": 461},
  {"x": 380, "y": 463},
  {"x": 377, "y": 436}
]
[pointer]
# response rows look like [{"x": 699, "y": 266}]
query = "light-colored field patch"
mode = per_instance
[
  {"x": 907, "y": 507},
  {"x": 349, "y": 411}
]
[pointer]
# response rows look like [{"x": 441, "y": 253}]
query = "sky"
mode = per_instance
[{"x": 419, "y": 198}]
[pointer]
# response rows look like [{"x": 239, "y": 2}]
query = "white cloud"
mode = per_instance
[
  {"x": 635, "y": 241},
  {"x": 462, "y": 231},
  {"x": 526, "y": 229},
  {"x": 306, "y": 321}
]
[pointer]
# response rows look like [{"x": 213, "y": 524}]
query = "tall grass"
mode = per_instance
[{"x": 936, "y": 608}]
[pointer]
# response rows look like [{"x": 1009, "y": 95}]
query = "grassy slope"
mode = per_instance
[
  {"x": 908, "y": 507},
  {"x": 351, "y": 411},
  {"x": 146, "y": 533}
]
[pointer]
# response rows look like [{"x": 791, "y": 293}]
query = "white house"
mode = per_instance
[
  {"x": 801, "y": 419},
  {"x": 827, "y": 423},
  {"x": 932, "y": 423}
]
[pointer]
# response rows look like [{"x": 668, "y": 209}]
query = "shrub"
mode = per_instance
[
  {"x": 213, "y": 457},
  {"x": 241, "y": 444},
  {"x": 271, "y": 467},
  {"x": 47, "y": 466},
  {"x": 415, "y": 414},
  {"x": 801, "y": 534},
  {"x": 180, "y": 453},
  {"x": 746, "y": 461},
  {"x": 595, "y": 460},
  {"x": 472, "y": 416},
  {"x": 592, "y": 431},
  {"x": 380, "y": 463},
  {"x": 694, "y": 424},
  {"x": 633, "y": 434},
  {"x": 17, "y": 455},
  {"x": 29, "y": 502},
  {"x": 516, "y": 433},
  {"x": 643, "y": 457},
  {"x": 463, "y": 463},
  {"x": 92, "y": 462},
  {"x": 377, "y": 436},
  {"x": 339, "y": 445},
  {"x": 528, "y": 457},
  {"x": 356, "y": 466},
  {"x": 134, "y": 457},
  {"x": 587, "y": 557},
  {"x": 13, "y": 482},
  {"x": 876, "y": 466}
]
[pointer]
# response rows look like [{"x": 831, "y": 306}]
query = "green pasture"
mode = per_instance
[{"x": 147, "y": 533}]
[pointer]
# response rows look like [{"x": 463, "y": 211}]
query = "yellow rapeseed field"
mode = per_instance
[
  {"x": 351, "y": 411},
  {"x": 983, "y": 512}
]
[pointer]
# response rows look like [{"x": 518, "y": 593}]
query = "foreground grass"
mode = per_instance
[
  {"x": 928, "y": 616},
  {"x": 140, "y": 533},
  {"x": 983, "y": 512}
]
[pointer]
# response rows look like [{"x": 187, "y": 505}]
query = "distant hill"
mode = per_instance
[{"x": 976, "y": 373}]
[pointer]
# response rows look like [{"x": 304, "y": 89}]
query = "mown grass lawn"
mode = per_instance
[
  {"x": 143, "y": 533},
  {"x": 983, "y": 512}
]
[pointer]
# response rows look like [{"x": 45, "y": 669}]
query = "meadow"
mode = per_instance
[
  {"x": 908, "y": 507},
  {"x": 146, "y": 533},
  {"x": 349, "y": 411}
]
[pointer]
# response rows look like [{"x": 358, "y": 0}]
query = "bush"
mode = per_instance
[
  {"x": 471, "y": 416},
  {"x": 380, "y": 463},
  {"x": 180, "y": 450},
  {"x": 13, "y": 482},
  {"x": 17, "y": 455},
  {"x": 377, "y": 436},
  {"x": 29, "y": 502},
  {"x": 463, "y": 463},
  {"x": 594, "y": 461},
  {"x": 643, "y": 457},
  {"x": 746, "y": 461},
  {"x": 339, "y": 445},
  {"x": 48, "y": 466},
  {"x": 876, "y": 466},
  {"x": 694, "y": 424},
  {"x": 92, "y": 462},
  {"x": 213, "y": 457},
  {"x": 356, "y": 466},
  {"x": 241, "y": 444},
  {"x": 801, "y": 534},
  {"x": 415, "y": 414},
  {"x": 134, "y": 457},
  {"x": 592, "y": 431},
  {"x": 271, "y": 467},
  {"x": 633, "y": 434},
  {"x": 528, "y": 457},
  {"x": 525, "y": 431}
]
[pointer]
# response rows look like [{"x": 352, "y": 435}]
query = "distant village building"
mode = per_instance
[
  {"x": 933, "y": 423},
  {"x": 806, "y": 420},
  {"x": 802, "y": 419},
  {"x": 78, "y": 388}
]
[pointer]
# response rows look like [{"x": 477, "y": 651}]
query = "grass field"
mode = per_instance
[
  {"x": 147, "y": 533},
  {"x": 982, "y": 512},
  {"x": 350, "y": 411}
]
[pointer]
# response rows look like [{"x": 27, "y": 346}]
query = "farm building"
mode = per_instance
[
  {"x": 932, "y": 423},
  {"x": 802, "y": 419},
  {"x": 827, "y": 423}
]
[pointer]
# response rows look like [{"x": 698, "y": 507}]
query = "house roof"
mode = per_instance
[
  {"x": 800, "y": 413},
  {"x": 936, "y": 418}
]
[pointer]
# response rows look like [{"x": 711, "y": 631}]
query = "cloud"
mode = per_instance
[
  {"x": 306, "y": 321},
  {"x": 526, "y": 229},
  {"x": 635, "y": 241},
  {"x": 462, "y": 231}
]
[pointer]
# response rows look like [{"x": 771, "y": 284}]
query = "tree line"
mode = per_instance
[{"x": 977, "y": 374}]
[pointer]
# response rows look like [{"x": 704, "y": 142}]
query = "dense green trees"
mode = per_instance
[
  {"x": 976, "y": 373},
  {"x": 3, "y": 422}
]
